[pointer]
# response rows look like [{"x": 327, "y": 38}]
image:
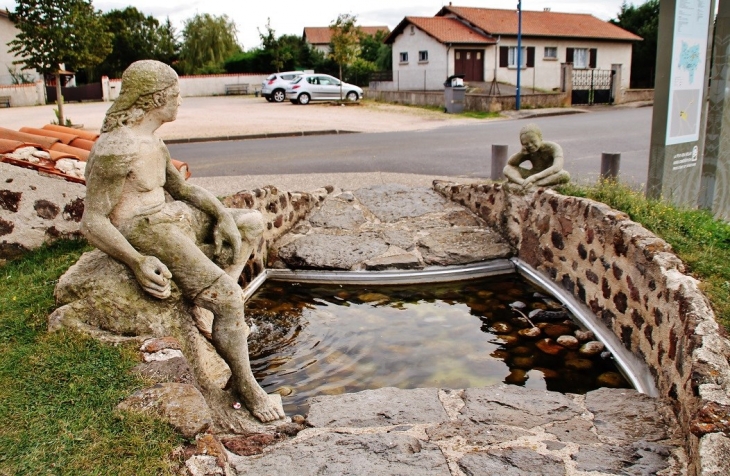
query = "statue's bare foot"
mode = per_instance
[{"x": 260, "y": 404}]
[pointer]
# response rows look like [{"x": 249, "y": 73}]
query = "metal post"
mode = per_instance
[
  {"x": 610, "y": 165},
  {"x": 499, "y": 160}
]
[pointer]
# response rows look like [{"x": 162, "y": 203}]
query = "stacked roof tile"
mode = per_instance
[
  {"x": 54, "y": 150},
  {"x": 321, "y": 35}
]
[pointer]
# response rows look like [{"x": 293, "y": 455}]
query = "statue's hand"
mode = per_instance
[
  {"x": 226, "y": 230},
  {"x": 153, "y": 276}
]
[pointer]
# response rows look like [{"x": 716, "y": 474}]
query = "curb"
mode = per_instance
[{"x": 272, "y": 135}]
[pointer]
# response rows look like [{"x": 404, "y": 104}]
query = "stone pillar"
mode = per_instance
[
  {"x": 566, "y": 83},
  {"x": 105, "y": 88},
  {"x": 715, "y": 181},
  {"x": 617, "y": 91}
]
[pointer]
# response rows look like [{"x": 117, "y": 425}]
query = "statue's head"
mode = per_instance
[
  {"x": 531, "y": 137},
  {"x": 146, "y": 85}
]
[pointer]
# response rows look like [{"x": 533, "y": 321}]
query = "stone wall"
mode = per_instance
[
  {"x": 281, "y": 211},
  {"x": 635, "y": 284},
  {"x": 35, "y": 210},
  {"x": 472, "y": 102},
  {"x": 632, "y": 95}
]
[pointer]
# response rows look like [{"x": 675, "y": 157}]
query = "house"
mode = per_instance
[
  {"x": 9, "y": 71},
  {"x": 319, "y": 37},
  {"x": 481, "y": 44}
]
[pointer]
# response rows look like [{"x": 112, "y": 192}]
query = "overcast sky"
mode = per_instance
[{"x": 290, "y": 17}]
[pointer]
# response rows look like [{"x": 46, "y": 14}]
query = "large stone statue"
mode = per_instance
[
  {"x": 546, "y": 159},
  {"x": 128, "y": 217}
]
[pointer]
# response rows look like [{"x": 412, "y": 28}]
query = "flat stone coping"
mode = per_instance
[{"x": 502, "y": 429}]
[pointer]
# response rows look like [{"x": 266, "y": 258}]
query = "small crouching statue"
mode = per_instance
[
  {"x": 128, "y": 217},
  {"x": 546, "y": 159}
]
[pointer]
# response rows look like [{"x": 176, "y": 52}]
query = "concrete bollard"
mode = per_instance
[
  {"x": 499, "y": 160},
  {"x": 610, "y": 165}
]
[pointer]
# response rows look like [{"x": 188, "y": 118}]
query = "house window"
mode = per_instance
[
  {"x": 551, "y": 52},
  {"x": 413, "y": 30},
  {"x": 404, "y": 57},
  {"x": 580, "y": 58},
  {"x": 423, "y": 56},
  {"x": 512, "y": 57}
]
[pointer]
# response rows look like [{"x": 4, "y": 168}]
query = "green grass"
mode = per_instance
[
  {"x": 58, "y": 390},
  {"x": 701, "y": 241}
]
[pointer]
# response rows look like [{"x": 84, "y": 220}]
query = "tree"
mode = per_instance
[
  {"x": 55, "y": 32},
  {"x": 274, "y": 47},
  {"x": 208, "y": 40},
  {"x": 643, "y": 21},
  {"x": 345, "y": 42},
  {"x": 136, "y": 37}
]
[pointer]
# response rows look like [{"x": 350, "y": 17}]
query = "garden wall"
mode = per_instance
[
  {"x": 472, "y": 102},
  {"x": 635, "y": 284}
]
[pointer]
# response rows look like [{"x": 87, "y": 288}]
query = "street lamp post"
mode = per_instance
[{"x": 519, "y": 51}]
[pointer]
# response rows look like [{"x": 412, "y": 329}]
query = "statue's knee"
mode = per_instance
[{"x": 249, "y": 222}]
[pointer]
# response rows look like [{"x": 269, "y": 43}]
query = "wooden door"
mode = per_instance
[{"x": 470, "y": 63}]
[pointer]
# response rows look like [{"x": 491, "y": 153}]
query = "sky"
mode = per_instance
[{"x": 290, "y": 17}]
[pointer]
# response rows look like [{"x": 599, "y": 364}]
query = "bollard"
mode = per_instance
[
  {"x": 610, "y": 164},
  {"x": 499, "y": 160}
]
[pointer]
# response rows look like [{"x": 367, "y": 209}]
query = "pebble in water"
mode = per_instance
[
  {"x": 530, "y": 332},
  {"x": 523, "y": 362},
  {"x": 550, "y": 347},
  {"x": 611, "y": 379},
  {"x": 521, "y": 350},
  {"x": 557, "y": 330},
  {"x": 569, "y": 342},
  {"x": 584, "y": 336},
  {"x": 516, "y": 377},
  {"x": 547, "y": 373},
  {"x": 592, "y": 348},
  {"x": 501, "y": 328},
  {"x": 579, "y": 364},
  {"x": 518, "y": 305}
]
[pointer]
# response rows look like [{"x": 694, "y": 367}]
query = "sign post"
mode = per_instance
[
  {"x": 715, "y": 184},
  {"x": 675, "y": 161}
]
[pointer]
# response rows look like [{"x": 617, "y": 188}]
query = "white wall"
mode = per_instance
[
  {"x": 33, "y": 94},
  {"x": 7, "y": 34},
  {"x": 204, "y": 85},
  {"x": 546, "y": 73},
  {"x": 415, "y": 75}
]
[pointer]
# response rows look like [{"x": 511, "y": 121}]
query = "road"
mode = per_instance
[{"x": 451, "y": 151}]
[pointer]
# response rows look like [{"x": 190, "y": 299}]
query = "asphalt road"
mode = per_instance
[{"x": 451, "y": 151}]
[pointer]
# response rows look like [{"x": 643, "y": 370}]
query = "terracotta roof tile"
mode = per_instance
[
  {"x": 61, "y": 143},
  {"x": 447, "y": 30},
  {"x": 62, "y": 136},
  {"x": 540, "y": 23},
  {"x": 321, "y": 35}
]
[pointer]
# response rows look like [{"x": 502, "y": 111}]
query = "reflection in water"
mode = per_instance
[{"x": 330, "y": 339}]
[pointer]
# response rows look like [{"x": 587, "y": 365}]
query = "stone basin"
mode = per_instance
[{"x": 623, "y": 274}]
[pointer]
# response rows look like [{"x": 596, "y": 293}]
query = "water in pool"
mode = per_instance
[{"x": 333, "y": 339}]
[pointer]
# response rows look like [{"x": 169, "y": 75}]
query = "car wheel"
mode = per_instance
[
  {"x": 352, "y": 96},
  {"x": 279, "y": 95},
  {"x": 304, "y": 98}
]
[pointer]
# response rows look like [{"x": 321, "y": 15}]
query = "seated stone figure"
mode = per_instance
[
  {"x": 128, "y": 217},
  {"x": 546, "y": 159}
]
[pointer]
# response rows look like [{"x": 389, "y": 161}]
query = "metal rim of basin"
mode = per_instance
[{"x": 636, "y": 371}]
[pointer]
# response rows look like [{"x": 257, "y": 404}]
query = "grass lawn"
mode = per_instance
[{"x": 58, "y": 390}]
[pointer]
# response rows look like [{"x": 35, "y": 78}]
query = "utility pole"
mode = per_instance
[{"x": 519, "y": 51}]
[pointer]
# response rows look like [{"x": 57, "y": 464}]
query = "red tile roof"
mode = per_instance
[
  {"x": 60, "y": 142},
  {"x": 321, "y": 35},
  {"x": 445, "y": 30},
  {"x": 540, "y": 23}
]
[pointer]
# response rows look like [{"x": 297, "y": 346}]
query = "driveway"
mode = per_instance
[{"x": 221, "y": 116}]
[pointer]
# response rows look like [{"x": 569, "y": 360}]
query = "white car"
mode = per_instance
[
  {"x": 321, "y": 87},
  {"x": 274, "y": 86}
]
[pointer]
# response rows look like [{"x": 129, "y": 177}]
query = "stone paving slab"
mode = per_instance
[
  {"x": 498, "y": 430},
  {"x": 387, "y": 227}
]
